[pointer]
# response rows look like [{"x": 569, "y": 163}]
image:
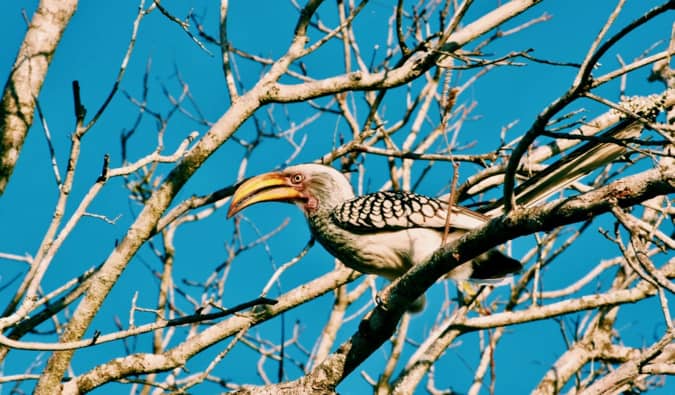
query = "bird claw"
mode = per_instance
[{"x": 380, "y": 303}]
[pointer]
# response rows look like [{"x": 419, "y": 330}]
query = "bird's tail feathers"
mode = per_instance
[{"x": 493, "y": 266}]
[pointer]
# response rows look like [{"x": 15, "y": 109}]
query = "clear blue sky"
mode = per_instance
[{"x": 91, "y": 51}]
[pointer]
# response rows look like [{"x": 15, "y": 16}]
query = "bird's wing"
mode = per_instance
[{"x": 401, "y": 210}]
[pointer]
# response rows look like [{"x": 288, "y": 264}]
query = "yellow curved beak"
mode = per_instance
[{"x": 263, "y": 188}]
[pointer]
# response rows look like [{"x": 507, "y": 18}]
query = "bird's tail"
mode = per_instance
[
  {"x": 488, "y": 268},
  {"x": 493, "y": 265}
]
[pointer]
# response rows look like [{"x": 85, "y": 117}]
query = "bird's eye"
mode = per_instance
[{"x": 297, "y": 178}]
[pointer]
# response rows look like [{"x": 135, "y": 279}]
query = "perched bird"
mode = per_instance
[
  {"x": 383, "y": 233},
  {"x": 386, "y": 233}
]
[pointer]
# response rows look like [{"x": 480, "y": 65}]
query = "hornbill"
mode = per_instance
[
  {"x": 386, "y": 233},
  {"x": 383, "y": 233}
]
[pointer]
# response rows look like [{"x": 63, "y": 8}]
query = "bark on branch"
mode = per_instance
[{"x": 25, "y": 81}]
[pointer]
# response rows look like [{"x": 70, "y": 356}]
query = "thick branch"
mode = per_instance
[
  {"x": 28, "y": 73},
  {"x": 629, "y": 371},
  {"x": 415, "y": 66},
  {"x": 147, "y": 363}
]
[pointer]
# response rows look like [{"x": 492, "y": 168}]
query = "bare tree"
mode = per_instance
[{"x": 593, "y": 168}]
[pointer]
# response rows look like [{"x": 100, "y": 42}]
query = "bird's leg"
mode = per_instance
[
  {"x": 467, "y": 294},
  {"x": 380, "y": 303},
  {"x": 416, "y": 306}
]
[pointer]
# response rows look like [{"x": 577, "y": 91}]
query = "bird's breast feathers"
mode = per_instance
[{"x": 385, "y": 253}]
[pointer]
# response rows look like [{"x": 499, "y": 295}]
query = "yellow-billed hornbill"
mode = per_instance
[
  {"x": 386, "y": 233},
  {"x": 383, "y": 233}
]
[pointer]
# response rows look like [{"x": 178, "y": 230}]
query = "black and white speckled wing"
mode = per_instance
[{"x": 401, "y": 210}]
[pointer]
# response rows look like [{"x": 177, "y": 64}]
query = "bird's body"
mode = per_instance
[
  {"x": 385, "y": 253},
  {"x": 383, "y": 233},
  {"x": 386, "y": 233}
]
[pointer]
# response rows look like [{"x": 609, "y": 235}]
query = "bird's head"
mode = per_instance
[{"x": 311, "y": 187}]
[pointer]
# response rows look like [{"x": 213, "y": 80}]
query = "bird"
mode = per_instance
[
  {"x": 383, "y": 233},
  {"x": 388, "y": 232}
]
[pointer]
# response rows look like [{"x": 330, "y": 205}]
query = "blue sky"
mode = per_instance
[{"x": 91, "y": 51}]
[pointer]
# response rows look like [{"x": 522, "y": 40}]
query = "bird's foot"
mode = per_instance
[{"x": 380, "y": 303}]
